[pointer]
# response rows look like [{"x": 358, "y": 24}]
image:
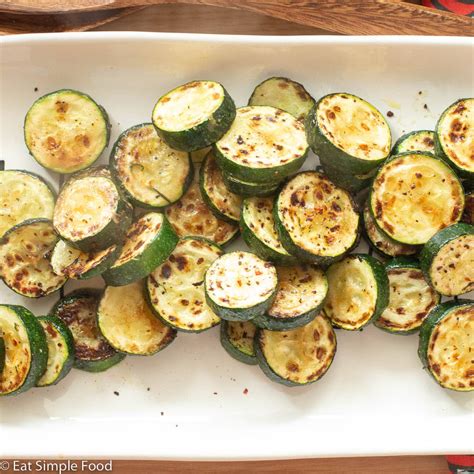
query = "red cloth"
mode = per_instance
[
  {"x": 462, "y": 7},
  {"x": 460, "y": 462}
]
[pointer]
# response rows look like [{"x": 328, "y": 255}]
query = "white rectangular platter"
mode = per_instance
[{"x": 188, "y": 402}]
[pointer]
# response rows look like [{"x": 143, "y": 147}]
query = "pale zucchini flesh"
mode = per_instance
[
  {"x": 237, "y": 338},
  {"x": 419, "y": 140}
]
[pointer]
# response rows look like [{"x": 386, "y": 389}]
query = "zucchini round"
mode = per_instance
[
  {"x": 60, "y": 350},
  {"x": 284, "y": 94},
  {"x": 193, "y": 115},
  {"x": 78, "y": 310},
  {"x": 237, "y": 338},
  {"x": 240, "y": 286},
  {"x": 301, "y": 292},
  {"x": 23, "y": 196},
  {"x": 414, "y": 195},
  {"x": 297, "y": 357},
  {"x": 245, "y": 188},
  {"x": 447, "y": 260},
  {"x": 176, "y": 288},
  {"x": 410, "y": 300},
  {"x": 66, "y": 131},
  {"x": 419, "y": 140},
  {"x": 468, "y": 215},
  {"x": 263, "y": 145},
  {"x": 191, "y": 216},
  {"x": 26, "y": 351},
  {"x": 149, "y": 173},
  {"x": 128, "y": 323},
  {"x": 358, "y": 292},
  {"x": 148, "y": 243},
  {"x": 316, "y": 220},
  {"x": 90, "y": 213},
  {"x": 455, "y": 137},
  {"x": 349, "y": 133},
  {"x": 257, "y": 226},
  {"x": 224, "y": 203},
  {"x": 25, "y": 252},
  {"x": 353, "y": 183},
  {"x": 445, "y": 345}
]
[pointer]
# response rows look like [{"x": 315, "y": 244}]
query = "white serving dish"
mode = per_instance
[{"x": 375, "y": 400}]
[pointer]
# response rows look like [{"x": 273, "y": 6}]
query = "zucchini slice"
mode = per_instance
[
  {"x": 353, "y": 183},
  {"x": 297, "y": 357},
  {"x": 301, "y": 292},
  {"x": 90, "y": 213},
  {"x": 358, "y": 291},
  {"x": 257, "y": 226},
  {"x": 349, "y": 133},
  {"x": 263, "y": 145},
  {"x": 128, "y": 323},
  {"x": 148, "y": 243},
  {"x": 176, "y": 288},
  {"x": 447, "y": 260},
  {"x": 419, "y": 140},
  {"x": 23, "y": 196},
  {"x": 73, "y": 263},
  {"x": 191, "y": 216},
  {"x": 25, "y": 265},
  {"x": 446, "y": 345},
  {"x": 26, "y": 351},
  {"x": 194, "y": 115},
  {"x": 224, "y": 203},
  {"x": 240, "y": 286},
  {"x": 381, "y": 242},
  {"x": 78, "y": 310},
  {"x": 197, "y": 156},
  {"x": 410, "y": 299},
  {"x": 245, "y": 188},
  {"x": 468, "y": 215},
  {"x": 237, "y": 338},
  {"x": 316, "y": 220},
  {"x": 455, "y": 137},
  {"x": 66, "y": 131},
  {"x": 60, "y": 350},
  {"x": 415, "y": 195},
  {"x": 284, "y": 94},
  {"x": 149, "y": 172}
]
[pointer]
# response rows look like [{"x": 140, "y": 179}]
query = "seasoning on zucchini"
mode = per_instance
[
  {"x": 194, "y": 115},
  {"x": 128, "y": 323},
  {"x": 240, "y": 286},
  {"x": 410, "y": 300},
  {"x": 176, "y": 288},
  {"x": 301, "y": 292},
  {"x": 285, "y": 94},
  {"x": 26, "y": 351},
  {"x": 468, "y": 215},
  {"x": 419, "y": 140},
  {"x": 25, "y": 252},
  {"x": 148, "y": 171},
  {"x": 257, "y": 226},
  {"x": 446, "y": 345},
  {"x": 224, "y": 203},
  {"x": 191, "y": 216},
  {"x": 60, "y": 350},
  {"x": 454, "y": 137},
  {"x": 246, "y": 188},
  {"x": 358, "y": 291},
  {"x": 414, "y": 195},
  {"x": 148, "y": 243},
  {"x": 66, "y": 131},
  {"x": 78, "y": 310},
  {"x": 263, "y": 145},
  {"x": 447, "y": 260},
  {"x": 316, "y": 220},
  {"x": 237, "y": 338},
  {"x": 349, "y": 133},
  {"x": 381, "y": 242},
  {"x": 90, "y": 213},
  {"x": 299, "y": 356},
  {"x": 23, "y": 196},
  {"x": 73, "y": 263}
]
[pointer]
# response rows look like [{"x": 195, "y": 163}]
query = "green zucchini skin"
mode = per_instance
[
  {"x": 429, "y": 325},
  {"x": 418, "y": 140},
  {"x": 67, "y": 342},
  {"x": 203, "y": 134},
  {"x": 37, "y": 346},
  {"x": 265, "y": 321},
  {"x": 96, "y": 366},
  {"x": 248, "y": 189},
  {"x": 2, "y": 354},
  {"x": 237, "y": 354}
]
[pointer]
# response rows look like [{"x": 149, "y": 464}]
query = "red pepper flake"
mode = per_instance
[
  {"x": 390, "y": 113},
  {"x": 246, "y": 390}
]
